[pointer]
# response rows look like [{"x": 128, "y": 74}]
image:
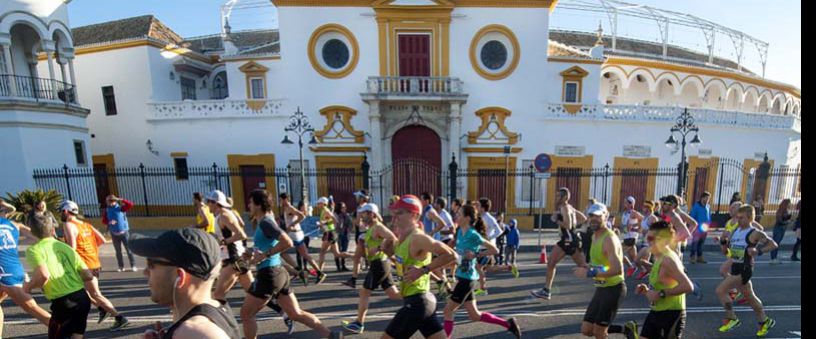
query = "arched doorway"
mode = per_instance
[{"x": 416, "y": 157}]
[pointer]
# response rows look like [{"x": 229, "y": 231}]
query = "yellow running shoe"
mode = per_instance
[
  {"x": 514, "y": 270},
  {"x": 729, "y": 325},
  {"x": 766, "y": 326}
]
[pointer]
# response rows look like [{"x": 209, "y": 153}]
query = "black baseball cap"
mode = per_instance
[
  {"x": 671, "y": 198},
  {"x": 190, "y": 249}
]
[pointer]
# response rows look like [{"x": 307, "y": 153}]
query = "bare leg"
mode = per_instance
[
  {"x": 289, "y": 304},
  {"x": 304, "y": 253},
  {"x": 722, "y": 294},
  {"x": 756, "y": 304},
  {"x": 249, "y": 310},
  {"x": 27, "y": 303},
  {"x": 92, "y": 287},
  {"x": 555, "y": 257},
  {"x": 226, "y": 280}
]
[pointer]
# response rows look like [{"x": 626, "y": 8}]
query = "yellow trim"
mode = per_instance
[
  {"x": 476, "y": 64},
  {"x": 347, "y": 113},
  {"x": 622, "y": 163},
  {"x": 340, "y": 149},
  {"x": 355, "y": 50},
  {"x": 585, "y": 164},
  {"x": 178, "y": 154},
  {"x": 747, "y": 166},
  {"x": 713, "y": 165},
  {"x": 575, "y": 61},
  {"x": 704, "y": 71},
  {"x": 550, "y": 4},
  {"x": 139, "y": 43},
  {"x": 572, "y": 108},
  {"x": 264, "y": 58},
  {"x": 110, "y": 164},
  {"x": 490, "y": 150},
  {"x": 501, "y": 115},
  {"x": 479, "y": 163},
  {"x": 573, "y": 74},
  {"x": 252, "y": 70},
  {"x": 326, "y": 162},
  {"x": 392, "y": 20},
  {"x": 236, "y": 161}
]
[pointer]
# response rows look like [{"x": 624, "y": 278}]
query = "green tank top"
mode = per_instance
[
  {"x": 330, "y": 223},
  {"x": 404, "y": 262},
  {"x": 669, "y": 303},
  {"x": 373, "y": 246},
  {"x": 597, "y": 259}
]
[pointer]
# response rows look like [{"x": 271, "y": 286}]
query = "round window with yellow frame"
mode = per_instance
[
  {"x": 494, "y": 52},
  {"x": 333, "y": 51}
]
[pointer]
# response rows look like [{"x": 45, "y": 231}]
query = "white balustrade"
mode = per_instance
[
  {"x": 414, "y": 85},
  {"x": 209, "y": 109}
]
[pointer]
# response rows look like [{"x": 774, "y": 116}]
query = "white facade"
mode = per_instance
[{"x": 42, "y": 125}]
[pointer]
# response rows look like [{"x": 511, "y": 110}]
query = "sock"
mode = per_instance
[
  {"x": 615, "y": 329},
  {"x": 448, "y": 327},
  {"x": 492, "y": 319}
]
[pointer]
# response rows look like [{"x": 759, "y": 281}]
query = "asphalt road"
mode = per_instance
[{"x": 779, "y": 287}]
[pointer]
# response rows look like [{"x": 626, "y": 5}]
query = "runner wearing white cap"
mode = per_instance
[
  {"x": 326, "y": 223},
  {"x": 630, "y": 227},
  {"x": 232, "y": 267}
]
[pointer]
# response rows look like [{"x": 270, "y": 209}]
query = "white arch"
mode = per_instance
[
  {"x": 619, "y": 72},
  {"x": 765, "y": 97},
  {"x": 57, "y": 26},
  {"x": 11, "y": 19},
  {"x": 693, "y": 81},
  {"x": 751, "y": 90},
  {"x": 788, "y": 105},
  {"x": 649, "y": 78},
  {"x": 673, "y": 78},
  {"x": 750, "y": 100},
  {"x": 719, "y": 84}
]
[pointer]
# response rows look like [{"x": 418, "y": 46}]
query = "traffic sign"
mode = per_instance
[{"x": 543, "y": 163}]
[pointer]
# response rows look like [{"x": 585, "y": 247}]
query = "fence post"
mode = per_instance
[
  {"x": 366, "y": 171},
  {"x": 215, "y": 174},
  {"x": 532, "y": 179},
  {"x": 606, "y": 177},
  {"x": 67, "y": 180},
  {"x": 452, "y": 168},
  {"x": 144, "y": 189},
  {"x": 719, "y": 190}
]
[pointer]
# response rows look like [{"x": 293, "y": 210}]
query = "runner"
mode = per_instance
[
  {"x": 204, "y": 218},
  {"x": 667, "y": 287},
  {"x": 12, "y": 274},
  {"x": 730, "y": 226},
  {"x": 682, "y": 224},
  {"x": 379, "y": 241},
  {"x": 414, "y": 265},
  {"x": 745, "y": 245},
  {"x": 326, "y": 223},
  {"x": 272, "y": 280},
  {"x": 233, "y": 269},
  {"x": 631, "y": 220},
  {"x": 570, "y": 243},
  {"x": 61, "y": 274},
  {"x": 467, "y": 242},
  {"x": 292, "y": 219},
  {"x": 606, "y": 269},
  {"x": 85, "y": 240},
  {"x": 485, "y": 264},
  {"x": 445, "y": 229},
  {"x": 644, "y": 253},
  {"x": 181, "y": 266}
]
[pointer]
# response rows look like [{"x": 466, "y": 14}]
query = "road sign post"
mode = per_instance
[{"x": 542, "y": 163}]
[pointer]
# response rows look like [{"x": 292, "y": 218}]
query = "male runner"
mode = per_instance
[
  {"x": 493, "y": 230},
  {"x": 204, "y": 218},
  {"x": 682, "y": 224},
  {"x": 431, "y": 218},
  {"x": 630, "y": 226}
]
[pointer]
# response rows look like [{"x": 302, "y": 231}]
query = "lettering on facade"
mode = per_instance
[
  {"x": 705, "y": 152},
  {"x": 570, "y": 151},
  {"x": 636, "y": 151}
]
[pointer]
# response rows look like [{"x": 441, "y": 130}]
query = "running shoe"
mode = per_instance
[
  {"x": 120, "y": 269},
  {"x": 134, "y": 268},
  {"x": 320, "y": 278},
  {"x": 102, "y": 316},
  {"x": 479, "y": 292},
  {"x": 290, "y": 324},
  {"x": 515, "y": 271},
  {"x": 631, "y": 271},
  {"x": 514, "y": 327},
  {"x": 698, "y": 291},
  {"x": 729, "y": 325},
  {"x": 312, "y": 272},
  {"x": 351, "y": 282},
  {"x": 354, "y": 327},
  {"x": 120, "y": 323},
  {"x": 765, "y": 326},
  {"x": 542, "y": 293},
  {"x": 630, "y": 330}
]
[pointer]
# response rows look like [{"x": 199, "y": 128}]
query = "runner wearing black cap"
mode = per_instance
[
  {"x": 569, "y": 245},
  {"x": 272, "y": 281},
  {"x": 181, "y": 268}
]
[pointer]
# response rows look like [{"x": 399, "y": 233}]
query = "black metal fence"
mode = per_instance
[
  {"x": 167, "y": 191},
  {"x": 36, "y": 88}
]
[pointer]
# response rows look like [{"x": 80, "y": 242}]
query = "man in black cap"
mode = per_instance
[{"x": 181, "y": 268}]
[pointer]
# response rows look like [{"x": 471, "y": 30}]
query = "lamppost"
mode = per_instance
[
  {"x": 684, "y": 127},
  {"x": 299, "y": 123}
]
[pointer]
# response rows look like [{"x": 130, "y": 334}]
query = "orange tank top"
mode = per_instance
[{"x": 86, "y": 245}]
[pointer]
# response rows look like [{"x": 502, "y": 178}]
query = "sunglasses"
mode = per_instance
[{"x": 152, "y": 263}]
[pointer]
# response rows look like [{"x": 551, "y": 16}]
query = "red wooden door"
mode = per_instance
[
  {"x": 633, "y": 183},
  {"x": 414, "y": 59},
  {"x": 492, "y": 185},
  {"x": 570, "y": 178},
  {"x": 416, "y": 154},
  {"x": 252, "y": 177},
  {"x": 700, "y": 184},
  {"x": 341, "y": 186},
  {"x": 101, "y": 178}
]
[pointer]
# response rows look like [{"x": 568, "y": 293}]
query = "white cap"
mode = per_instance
[
  {"x": 69, "y": 206},
  {"x": 597, "y": 209},
  {"x": 219, "y": 198},
  {"x": 361, "y": 194},
  {"x": 369, "y": 207},
  {"x": 323, "y": 200},
  {"x": 630, "y": 199}
]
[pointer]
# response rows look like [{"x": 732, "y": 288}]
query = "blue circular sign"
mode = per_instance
[{"x": 543, "y": 163}]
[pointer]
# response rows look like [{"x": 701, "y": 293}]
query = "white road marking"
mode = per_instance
[{"x": 522, "y": 313}]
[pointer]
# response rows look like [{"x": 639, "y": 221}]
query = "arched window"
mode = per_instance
[{"x": 219, "y": 86}]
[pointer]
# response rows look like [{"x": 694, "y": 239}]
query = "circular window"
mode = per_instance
[
  {"x": 494, "y": 52},
  {"x": 333, "y": 51},
  {"x": 494, "y": 55}
]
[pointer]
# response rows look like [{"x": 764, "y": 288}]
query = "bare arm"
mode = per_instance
[
  {"x": 683, "y": 282},
  {"x": 490, "y": 249},
  {"x": 388, "y": 237},
  {"x": 757, "y": 225},
  {"x": 437, "y": 220},
  {"x": 683, "y": 232},
  {"x": 762, "y": 239},
  {"x": 580, "y": 218},
  {"x": 569, "y": 218},
  {"x": 445, "y": 255},
  {"x": 610, "y": 251},
  {"x": 299, "y": 216},
  {"x": 70, "y": 234},
  {"x": 690, "y": 222},
  {"x": 238, "y": 234},
  {"x": 38, "y": 279}
]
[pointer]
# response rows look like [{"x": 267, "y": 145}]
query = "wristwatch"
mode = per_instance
[{"x": 662, "y": 293}]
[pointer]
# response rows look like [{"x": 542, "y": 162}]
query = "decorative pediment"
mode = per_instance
[
  {"x": 412, "y": 3},
  {"x": 493, "y": 129},
  {"x": 338, "y": 129},
  {"x": 253, "y": 67},
  {"x": 574, "y": 72}
]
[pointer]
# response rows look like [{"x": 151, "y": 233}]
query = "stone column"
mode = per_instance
[
  {"x": 49, "y": 51},
  {"x": 375, "y": 119},
  {"x": 11, "y": 82},
  {"x": 455, "y": 132},
  {"x": 73, "y": 80}
]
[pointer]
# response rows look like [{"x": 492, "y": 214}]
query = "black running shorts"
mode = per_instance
[
  {"x": 269, "y": 283},
  {"x": 604, "y": 305},
  {"x": 570, "y": 246},
  {"x": 329, "y": 236},
  {"x": 463, "y": 291},
  {"x": 69, "y": 315},
  {"x": 743, "y": 270},
  {"x": 418, "y": 313},
  {"x": 379, "y": 275},
  {"x": 664, "y": 324}
]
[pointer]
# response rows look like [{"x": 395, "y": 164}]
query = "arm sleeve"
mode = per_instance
[
  {"x": 126, "y": 205},
  {"x": 105, "y": 216},
  {"x": 270, "y": 228}
]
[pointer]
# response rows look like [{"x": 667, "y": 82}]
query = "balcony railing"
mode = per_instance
[
  {"x": 669, "y": 114},
  {"x": 38, "y": 89},
  {"x": 212, "y": 109},
  {"x": 415, "y": 86}
]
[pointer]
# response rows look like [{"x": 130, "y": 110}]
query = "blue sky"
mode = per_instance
[{"x": 777, "y": 22}]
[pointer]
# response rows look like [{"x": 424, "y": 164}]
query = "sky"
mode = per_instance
[{"x": 777, "y": 22}]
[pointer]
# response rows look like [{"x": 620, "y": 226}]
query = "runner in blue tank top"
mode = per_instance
[{"x": 12, "y": 274}]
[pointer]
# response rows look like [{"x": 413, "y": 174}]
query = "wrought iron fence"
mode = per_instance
[{"x": 36, "y": 88}]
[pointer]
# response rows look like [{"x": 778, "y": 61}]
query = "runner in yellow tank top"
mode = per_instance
[
  {"x": 326, "y": 223},
  {"x": 667, "y": 288},
  {"x": 414, "y": 264},
  {"x": 205, "y": 220}
]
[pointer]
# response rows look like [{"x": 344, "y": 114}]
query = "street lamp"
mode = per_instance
[
  {"x": 685, "y": 126},
  {"x": 299, "y": 123}
]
